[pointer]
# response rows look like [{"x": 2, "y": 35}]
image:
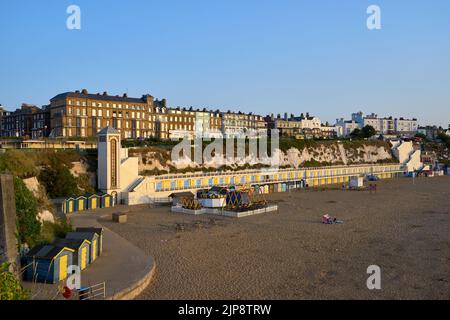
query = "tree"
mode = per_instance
[
  {"x": 28, "y": 225},
  {"x": 368, "y": 132},
  {"x": 364, "y": 133},
  {"x": 57, "y": 180},
  {"x": 356, "y": 133},
  {"x": 445, "y": 139}
]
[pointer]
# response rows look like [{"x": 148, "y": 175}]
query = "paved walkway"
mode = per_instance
[{"x": 126, "y": 269}]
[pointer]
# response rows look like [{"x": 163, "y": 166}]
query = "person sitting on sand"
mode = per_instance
[{"x": 327, "y": 219}]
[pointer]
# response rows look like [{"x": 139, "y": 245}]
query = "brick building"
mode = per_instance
[
  {"x": 20, "y": 122},
  {"x": 234, "y": 124},
  {"x": 181, "y": 123},
  {"x": 3, "y": 114},
  {"x": 82, "y": 114},
  {"x": 304, "y": 126},
  {"x": 191, "y": 123},
  {"x": 41, "y": 123}
]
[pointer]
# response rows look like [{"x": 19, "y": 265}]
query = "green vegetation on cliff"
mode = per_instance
[
  {"x": 52, "y": 168},
  {"x": 18, "y": 163},
  {"x": 10, "y": 287},
  {"x": 445, "y": 139},
  {"x": 28, "y": 225},
  {"x": 57, "y": 179},
  {"x": 29, "y": 228}
]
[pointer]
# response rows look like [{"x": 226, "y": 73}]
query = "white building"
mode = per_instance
[
  {"x": 406, "y": 126},
  {"x": 346, "y": 127},
  {"x": 203, "y": 127},
  {"x": 309, "y": 122},
  {"x": 329, "y": 131},
  {"x": 381, "y": 125},
  {"x": 117, "y": 173},
  {"x": 384, "y": 126}
]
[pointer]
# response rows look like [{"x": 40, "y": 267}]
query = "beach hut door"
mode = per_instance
[
  {"x": 63, "y": 267},
  {"x": 94, "y": 249},
  {"x": 83, "y": 258}
]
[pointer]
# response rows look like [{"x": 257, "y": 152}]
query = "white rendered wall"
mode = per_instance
[
  {"x": 403, "y": 151},
  {"x": 129, "y": 172},
  {"x": 415, "y": 162}
]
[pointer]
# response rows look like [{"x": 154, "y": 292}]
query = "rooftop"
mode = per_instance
[
  {"x": 108, "y": 130},
  {"x": 105, "y": 96}
]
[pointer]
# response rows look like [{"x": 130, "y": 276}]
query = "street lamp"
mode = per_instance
[{"x": 45, "y": 138}]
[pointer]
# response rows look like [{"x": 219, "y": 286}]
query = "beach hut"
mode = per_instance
[
  {"x": 48, "y": 263},
  {"x": 106, "y": 200},
  {"x": 81, "y": 249},
  {"x": 92, "y": 237},
  {"x": 99, "y": 232},
  {"x": 80, "y": 203},
  {"x": 68, "y": 205},
  {"x": 93, "y": 201}
]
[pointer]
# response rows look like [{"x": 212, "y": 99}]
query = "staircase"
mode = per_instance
[
  {"x": 135, "y": 184},
  {"x": 409, "y": 157}
]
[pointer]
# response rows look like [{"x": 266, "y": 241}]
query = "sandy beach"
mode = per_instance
[{"x": 404, "y": 228}]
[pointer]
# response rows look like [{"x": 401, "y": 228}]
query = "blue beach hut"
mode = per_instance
[
  {"x": 92, "y": 237},
  {"x": 48, "y": 263},
  {"x": 81, "y": 249},
  {"x": 80, "y": 203},
  {"x": 93, "y": 201},
  {"x": 99, "y": 232},
  {"x": 69, "y": 205},
  {"x": 106, "y": 200}
]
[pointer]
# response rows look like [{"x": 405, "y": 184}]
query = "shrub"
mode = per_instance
[
  {"x": 65, "y": 157},
  {"x": 61, "y": 228},
  {"x": 10, "y": 288},
  {"x": 84, "y": 183},
  {"x": 51, "y": 231},
  {"x": 28, "y": 225},
  {"x": 18, "y": 163}
]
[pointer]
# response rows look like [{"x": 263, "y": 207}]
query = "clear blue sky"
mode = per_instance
[{"x": 261, "y": 56}]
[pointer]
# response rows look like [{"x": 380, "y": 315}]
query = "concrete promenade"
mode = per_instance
[{"x": 124, "y": 268}]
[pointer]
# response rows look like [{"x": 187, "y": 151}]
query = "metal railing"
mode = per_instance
[
  {"x": 270, "y": 178},
  {"x": 92, "y": 292},
  {"x": 269, "y": 171}
]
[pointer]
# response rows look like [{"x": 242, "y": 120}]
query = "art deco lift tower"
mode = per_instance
[{"x": 109, "y": 156}]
